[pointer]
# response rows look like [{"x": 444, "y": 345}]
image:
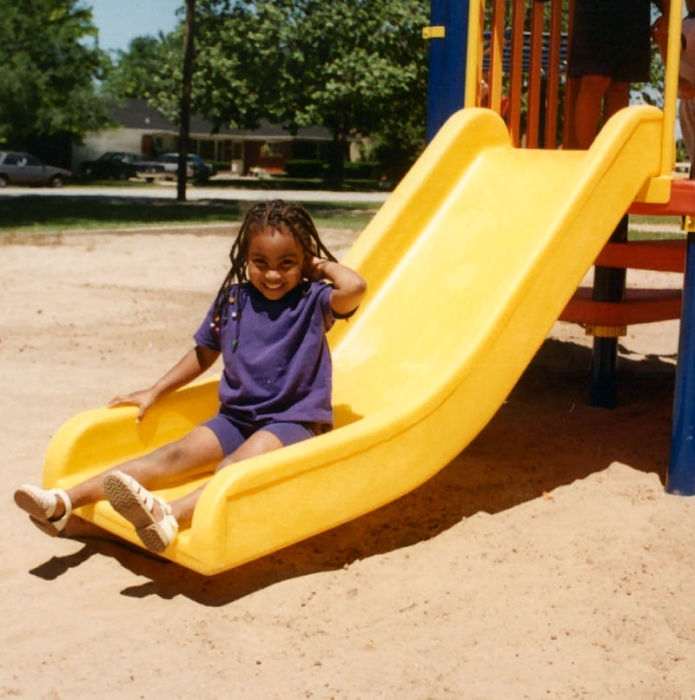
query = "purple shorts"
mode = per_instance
[{"x": 232, "y": 434}]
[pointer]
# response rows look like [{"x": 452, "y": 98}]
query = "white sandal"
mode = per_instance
[
  {"x": 135, "y": 503},
  {"x": 41, "y": 504}
]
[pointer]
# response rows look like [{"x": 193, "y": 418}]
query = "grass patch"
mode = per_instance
[
  {"x": 642, "y": 227},
  {"x": 116, "y": 184},
  {"x": 289, "y": 183},
  {"x": 38, "y": 214},
  {"x": 353, "y": 217},
  {"x": 654, "y": 236},
  {"x": 655, "y": 220}
]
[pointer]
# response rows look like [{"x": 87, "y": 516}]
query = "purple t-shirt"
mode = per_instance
[{"x": 277, "y": 366}]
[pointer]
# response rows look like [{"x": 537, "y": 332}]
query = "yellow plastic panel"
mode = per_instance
[{"x": 469, "y": 263}]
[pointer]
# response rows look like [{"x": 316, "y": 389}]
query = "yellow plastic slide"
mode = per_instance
[{"x": 469, "y": 263}]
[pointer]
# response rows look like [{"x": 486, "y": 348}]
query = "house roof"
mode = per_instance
[{"x": 138, "y": 114}]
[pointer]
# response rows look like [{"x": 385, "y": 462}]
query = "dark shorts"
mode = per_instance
[
  {"x": 232, "y": 434},
  {"x": 611, "y": 38}
]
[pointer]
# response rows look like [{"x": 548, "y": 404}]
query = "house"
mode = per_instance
[{"x": 143, "y": 129}]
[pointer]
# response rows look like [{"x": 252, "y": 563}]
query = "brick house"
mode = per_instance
[{"x": 142, "y": 129}]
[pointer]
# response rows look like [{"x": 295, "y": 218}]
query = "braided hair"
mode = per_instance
[{"x": 275, "y": 214}]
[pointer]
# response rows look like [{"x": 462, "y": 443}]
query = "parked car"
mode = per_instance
[
  {"x": 197, "y": 168},
  {"x": 24, "y": 169},
  {"x": 120, "y": 165}
]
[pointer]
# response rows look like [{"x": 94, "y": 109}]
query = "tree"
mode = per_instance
[
  {"x": 152, "y": 69},
  {"x": 47, "y": 82},
  {"x": 144, "y": 70},
  {"x": 364, "y": 70},
  {"x": 356, "y": 67},
  {"x": 160, "y": 71},
  {"x": 185, "y": 125}
]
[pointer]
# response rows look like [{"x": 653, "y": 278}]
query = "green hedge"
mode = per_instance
[
  {"x": 361, "y": 170},
  {"x": 223, "y": 166},
  {"x": 305, "y": 168}
]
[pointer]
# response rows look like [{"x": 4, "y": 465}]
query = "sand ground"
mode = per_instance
[{"x": 545, "y": 561}]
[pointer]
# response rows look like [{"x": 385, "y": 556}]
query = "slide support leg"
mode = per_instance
[
  {"x": 609, "y": 285},
  {"x": 681, "y": 468}
]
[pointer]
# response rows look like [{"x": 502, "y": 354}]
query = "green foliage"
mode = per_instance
[
  {"x": 48, "y": 215},
  {"x": 356, "y": 67},
  {"x": 349, "y": 62},
  {"x": 49, "y": 65},
  {"x": 681, "y": 152},
  {"x": 362, "y": 170},
  {"x": 395, "y": 149},
  {"x": 149, "y": 67},
  {"x": 652, "y": 92},
  {"x": 150, "y": 70},
  {"x": 305, "y": 168},
  {"x": 236, "y": 77}
]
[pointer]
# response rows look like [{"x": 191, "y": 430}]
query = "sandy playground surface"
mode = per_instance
[{"x": 545, "y": 561}]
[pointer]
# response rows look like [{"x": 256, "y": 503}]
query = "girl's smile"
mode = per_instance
[{"x": 275, "y": 261}]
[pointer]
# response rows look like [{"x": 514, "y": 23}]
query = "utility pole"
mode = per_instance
[{"x": 185, "y": 125}]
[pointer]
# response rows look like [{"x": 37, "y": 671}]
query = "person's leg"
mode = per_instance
[
  {"x": 686, "y": 113},
  {"x": 617, "y": 97},
  {"x": 259, "y": 443},
  {"x": 587, "y": 114},
  {"x": 158, "y": 522},
  {"x": 193, "y": 450},
  {"x": 153, "y": 518}
]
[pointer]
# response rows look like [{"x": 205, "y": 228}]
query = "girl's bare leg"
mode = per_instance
[
  {"x": 196, "y": 449},
  {"x": 259, "y": 443},
  {"x": 193, "y": 450}
]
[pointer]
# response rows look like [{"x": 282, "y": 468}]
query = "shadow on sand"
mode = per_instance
[{"x": 545, "y": 435}]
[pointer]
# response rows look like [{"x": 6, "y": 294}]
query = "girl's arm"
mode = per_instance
[
  {"x": 348, "y": 286},
  {"x": 190, "y": 366}
]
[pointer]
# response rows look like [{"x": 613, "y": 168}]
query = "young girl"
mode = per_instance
[{"x": 268, "y": 322}]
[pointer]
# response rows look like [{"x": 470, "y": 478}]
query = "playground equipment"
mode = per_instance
[
  {"x": 521, "y": 51},
  {"x": 469, "y": 264}
]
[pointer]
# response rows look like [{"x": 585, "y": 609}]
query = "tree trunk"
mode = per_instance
[
  {"x": 185, "y": 127},
  {"x": 338, "y": 153}
]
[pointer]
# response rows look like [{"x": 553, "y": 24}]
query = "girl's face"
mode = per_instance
[{"x": 275, "y": 261}]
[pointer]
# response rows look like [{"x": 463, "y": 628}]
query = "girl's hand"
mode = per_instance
[
  {"x": 348, "y": 286},
  {"x": 314, "y": 268},
  {"x": 143, "y": 399}
]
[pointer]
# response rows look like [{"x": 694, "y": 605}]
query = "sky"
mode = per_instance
[{"x": 119, "y": 21}]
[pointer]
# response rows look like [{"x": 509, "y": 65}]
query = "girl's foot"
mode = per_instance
[
  {"x": 49, "y": 508},
  {"x": 152, "y": 517}
]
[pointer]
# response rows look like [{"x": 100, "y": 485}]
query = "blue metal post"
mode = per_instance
[
  {"x": 681, "y": 469},
  {"x": 447, "y": 62},
  {"x": 456, "y": 50},
  {"x": 435, "y": 81}
]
